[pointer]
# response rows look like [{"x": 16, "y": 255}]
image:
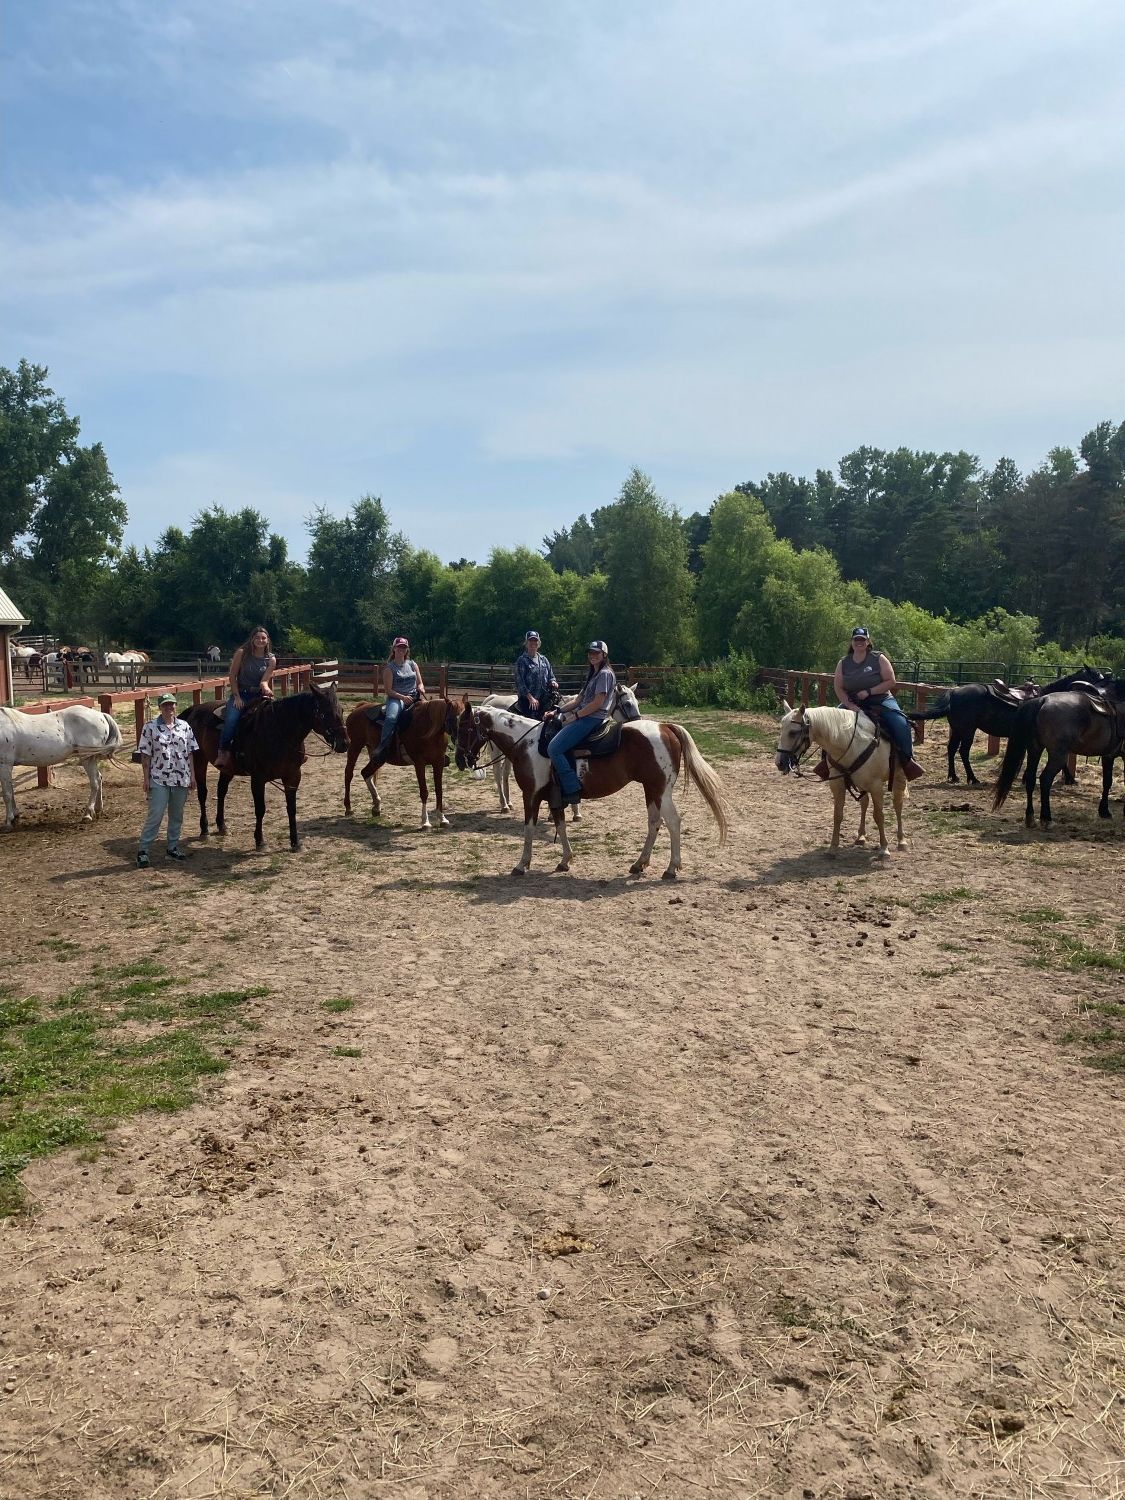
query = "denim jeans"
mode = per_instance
[
  {"x": 231, "y": 715},
  {"x": 897, "y": 727},
  {"x": 568, "y": 736},
  {"x": 390, "y": 721},
  {"x": 161, "y": 800}
]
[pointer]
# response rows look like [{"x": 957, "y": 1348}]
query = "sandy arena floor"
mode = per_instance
[{"x": 783, "y": 1180}]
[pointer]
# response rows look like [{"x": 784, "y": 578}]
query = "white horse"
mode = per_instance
[
  {"x": 50, "y": 738},
  {"x": 625, "y": 708},
  {"x": 855, "y": 759}
]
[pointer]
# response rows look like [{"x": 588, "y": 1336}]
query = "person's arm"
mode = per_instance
[
  {"x": 521, "y": 675},
  {"x": 235, "y": 664},
  {"x": 267, "y": 691},
  {"x": 592, "y": 707},
  {"x": 421, "y": 684},
  {"x": 143, "y": 745},
  {"x": 388, "y": 691},
  {"x": 193, "y": 746}
]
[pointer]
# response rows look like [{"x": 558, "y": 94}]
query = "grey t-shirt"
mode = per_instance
[
  {"x": 601, "y": 682},
  {"x": 404, "y": 678},
  {"x": 868, "y": 675}
]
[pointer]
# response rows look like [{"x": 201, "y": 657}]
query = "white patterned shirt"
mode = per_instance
[{"x": 170, "y": 746}]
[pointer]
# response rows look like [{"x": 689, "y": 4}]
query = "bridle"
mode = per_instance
[{"x": 839, "y": 769}]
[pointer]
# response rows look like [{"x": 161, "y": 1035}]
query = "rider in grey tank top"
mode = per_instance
[
  {"x": 866, "y": 674},
  {"x": 250, "y": 674},
  {"x": 404, "y": 677}
]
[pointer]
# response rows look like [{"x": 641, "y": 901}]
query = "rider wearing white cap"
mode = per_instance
[{"x": 591, "y": 707}]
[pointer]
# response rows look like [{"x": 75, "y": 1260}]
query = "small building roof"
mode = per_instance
[{"x": 9, "y": 614}]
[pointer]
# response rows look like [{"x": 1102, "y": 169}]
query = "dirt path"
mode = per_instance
[{"x": 779, "y": 1181}]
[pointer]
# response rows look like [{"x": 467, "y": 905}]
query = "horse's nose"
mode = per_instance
[{"x": 782, "y": 762}]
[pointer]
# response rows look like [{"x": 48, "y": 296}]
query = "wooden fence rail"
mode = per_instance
[{"x": 285, "y": 680}]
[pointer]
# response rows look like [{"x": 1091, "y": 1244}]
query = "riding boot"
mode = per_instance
[{"x": 912, "y": 770}]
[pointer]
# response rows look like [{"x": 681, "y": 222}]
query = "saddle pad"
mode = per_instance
[{"x": 603, "y": 741}]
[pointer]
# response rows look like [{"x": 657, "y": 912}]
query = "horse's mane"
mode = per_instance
[{"x": 836, "y": 728}]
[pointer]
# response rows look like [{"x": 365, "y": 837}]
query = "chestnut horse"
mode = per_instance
[
  {"x": 649, "y": 752},
  {"x": 269, "y": 744},
  {"x": 420, "y": 744}
]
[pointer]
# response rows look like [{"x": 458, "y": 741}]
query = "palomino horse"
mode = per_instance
[
  {"x": 625, "y": 710},
  {"x": 48, "y": 739},
  {"x": 649, "y": 752},
  {"x": 420, "y": 744},
  {"x": 1063, "y": 724},
  {"x": 269, "y": 745},
  {"x": 846, "y": 737}
]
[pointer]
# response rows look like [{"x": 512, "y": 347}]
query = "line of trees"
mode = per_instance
[{"x": 940, "y": 557}]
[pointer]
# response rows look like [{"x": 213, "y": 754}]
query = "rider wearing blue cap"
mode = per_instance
[
  {"x": 865, "y": 680},
  {"x": 535, "y": 678},
  {"x": 592, "y": 707}
]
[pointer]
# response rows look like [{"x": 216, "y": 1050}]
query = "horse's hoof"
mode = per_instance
[
  {"x": 562, "y": 868},
  {"x": 882, "y": 852},
  {"x": 901, "y": 846},
  {"x": 1104, "y": 812},
  {"x": 519, "y": 870},
  {"x": 669, "y": 874},
  {"x": 576, "y": 816},
  {"x": 861, "y": 838},
  {"x": 636, "y": 869},
  {"x": 445, "y": 822}
]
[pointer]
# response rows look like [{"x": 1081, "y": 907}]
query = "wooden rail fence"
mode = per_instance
[{"x": 285, "y": 680}]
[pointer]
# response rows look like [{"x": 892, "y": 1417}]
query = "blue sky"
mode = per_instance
[{"x": 481, "y": 258}]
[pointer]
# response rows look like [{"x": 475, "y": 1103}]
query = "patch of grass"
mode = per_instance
[
  {"x": 1037, "y": 914},
  {"x": 337, "y": 1006},
  {"x": 721, "y": 736},
  {"x": 63, "y": 949},
  {"x": 940, "y": 822},
  {"x": 347, "y": 1052},
  {"x": 69, "y": 1069},
  {"x": 932, "y": 901},
  {"x": 1063, "y": 950}
]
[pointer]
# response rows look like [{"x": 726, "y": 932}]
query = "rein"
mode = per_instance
[{"x": 503, "y": 755}]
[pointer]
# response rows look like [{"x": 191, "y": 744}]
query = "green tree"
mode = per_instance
[
  {"x": 36, "y": 437},
  {"x": 649, "y": 600},
  {"x": 735, "y": 565},
  {"x": 351, "y": 594}
]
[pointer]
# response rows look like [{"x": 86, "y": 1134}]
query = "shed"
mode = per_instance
[{"x": 11, "y": 623}]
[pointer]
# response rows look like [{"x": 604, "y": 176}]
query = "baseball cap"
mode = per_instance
[
  {"x": 598, "y": 646},
  {"x": 399, "y": 640},
  {"x": 165, "y": 698},
  {"x": 860, "y": 633},
  {"x": 532, "y": 635}
]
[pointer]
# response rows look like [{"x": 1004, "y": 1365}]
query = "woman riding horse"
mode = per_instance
[
  {"x": 591, "y": 708},
  {"x": 402, "y": 686},
  {"x": 251, "y": 668},
  {"x": 865, "y": 681}
]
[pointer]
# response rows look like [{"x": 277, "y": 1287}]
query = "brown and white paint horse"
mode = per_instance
[{"x": 650, "y": 753}]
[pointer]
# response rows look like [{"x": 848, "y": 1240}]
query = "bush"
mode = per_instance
[
  {"x": 729, "y": 684},
  {"x": 304, "y": 644}
]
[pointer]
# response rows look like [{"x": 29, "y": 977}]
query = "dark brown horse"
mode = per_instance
[
  {"x": 421, "y": 743},
  {"x": 269, "y": 745},
  {"x": 1063, "y": 724}
]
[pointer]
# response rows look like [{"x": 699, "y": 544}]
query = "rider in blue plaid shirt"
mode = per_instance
[{"x": 535, "y": 678}]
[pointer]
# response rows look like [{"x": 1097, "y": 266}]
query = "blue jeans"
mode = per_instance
[
  {"x": 568, "y": 736},
  {"x": 161, "y": 800},
  {"x": 897, "y": 728},
  {"x": 391, "y": 716},
  {"x": 231, "y": 715}
]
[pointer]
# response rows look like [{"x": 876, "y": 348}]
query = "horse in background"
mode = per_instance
[
  {"x": 989, "y": 706},
  {"x": 419, "y": 742},
  {"x": 269, "y": 745},
  {"x": 1063, "y": 724},
  {"x": 858, "y": 762},
  {"x": 51, "y": 738}
]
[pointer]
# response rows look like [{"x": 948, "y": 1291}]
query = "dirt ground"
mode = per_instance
[{"x": 783, "y": 1180}]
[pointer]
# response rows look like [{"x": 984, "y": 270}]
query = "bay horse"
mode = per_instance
[
  {"x": 649, "y": 752},
  {"x": 979, "y": 705},
  {"x": 269, "y": 745},
  {"x": 420, "y": 743},
  {"x": 1062, "y": 724},
  {"x": 846, "y": 736},
  {"x": 49, "y": 739}
]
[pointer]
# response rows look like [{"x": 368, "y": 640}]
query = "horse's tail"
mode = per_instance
[
  {"x": 939, "y": 710},
  {"x": 695, "y": 767},
  {"x": 113, "y": 740},
  {"x": 1019, "y": 742}
]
